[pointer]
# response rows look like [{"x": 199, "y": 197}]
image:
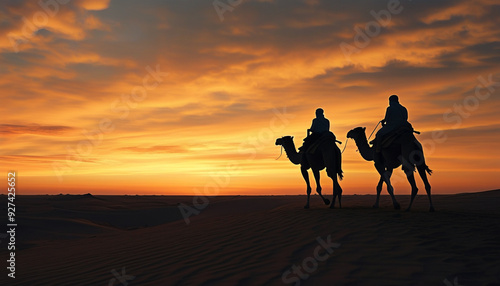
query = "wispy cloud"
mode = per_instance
[
  {"x": 156, "y": 149},
  {"x": 11, "y": 129}
]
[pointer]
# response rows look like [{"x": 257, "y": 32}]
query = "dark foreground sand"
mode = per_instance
[{"x": 143, "y": 240}]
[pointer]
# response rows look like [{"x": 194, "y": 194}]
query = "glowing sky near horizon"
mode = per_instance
[{"x": 164, "y": 97}]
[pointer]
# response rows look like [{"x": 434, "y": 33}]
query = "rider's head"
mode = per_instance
[
  {"x": 319, "y": 112},
  {"x": 393, "y": 99}
]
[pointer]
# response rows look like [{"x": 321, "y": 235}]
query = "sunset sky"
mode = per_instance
[{"x": 178, "y": 96}]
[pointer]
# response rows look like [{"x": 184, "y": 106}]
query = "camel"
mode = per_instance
[
  {"x": 328, "y": 155},
  {"x": 404, "y": 150}
]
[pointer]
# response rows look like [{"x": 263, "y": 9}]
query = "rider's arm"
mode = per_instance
[
  {"x": 384, "y": 121},
  {"x": 310, "y": 130}
]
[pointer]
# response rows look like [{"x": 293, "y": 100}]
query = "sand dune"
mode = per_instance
[{"x": 91, "y": 240}]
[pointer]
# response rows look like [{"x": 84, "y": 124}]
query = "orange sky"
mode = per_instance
[{"x": 166, "y": 97}]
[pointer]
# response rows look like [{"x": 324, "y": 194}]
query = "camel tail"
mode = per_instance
[
  {"x": 340, "y": 173},
  {"x": 421, "y": 149},
  {"x": 429, "y": 171},
  {"x": 334, "y": 168}
]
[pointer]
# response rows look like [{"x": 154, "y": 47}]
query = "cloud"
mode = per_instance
[
  {"x": 42, "y": 159},
  {"x": 156, "y": 149},
  {"x": 10, "y": 129},
  {"x": 93, "y": 5}
]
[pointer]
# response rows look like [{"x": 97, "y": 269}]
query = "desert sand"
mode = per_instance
[{"x": 262, "y": 240}]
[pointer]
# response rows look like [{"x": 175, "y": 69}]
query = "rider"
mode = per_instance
[
  {"x": 396, "y": 116},
  {"x": 319, "y": 126}
]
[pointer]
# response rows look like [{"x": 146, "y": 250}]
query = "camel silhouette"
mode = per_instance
[
  {"x": 405, "y": 150},
  {"x": 326, "y": 155}
]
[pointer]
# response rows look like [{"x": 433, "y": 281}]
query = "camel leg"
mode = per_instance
[
  {"x": 414, "y": 190},
  {"x": 337, "y": 191},
  {"x": 390, "y": 189},
  {"x": 305, "y": 174},
  {"x": 422, "y": 171},
  {"x": 379, "y": 190},
  {"x": 318, "y": 186},
  {"x": 386, "y": 175}
]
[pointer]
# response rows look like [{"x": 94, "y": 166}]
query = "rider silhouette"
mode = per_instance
[
  {"x": 320, "y": 125},
  {"x": 396, "y": 116}
]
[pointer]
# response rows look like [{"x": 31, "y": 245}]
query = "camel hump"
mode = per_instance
[
  {"x": 406, "y": 129},
  {"x": 326, "y": 137},
  {"x": 330, "y": 135}
]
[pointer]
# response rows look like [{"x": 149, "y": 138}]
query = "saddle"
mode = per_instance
[
  {"x": 326, "y": 137},
  {"x": 388, "y": 139}
]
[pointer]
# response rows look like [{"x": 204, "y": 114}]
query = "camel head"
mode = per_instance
[
  {"x": 284, "y": 140},
  {"x": 356, "y": 133},
  {"x": 286, "y": 143},
  {"x": 359, "y": 136}
]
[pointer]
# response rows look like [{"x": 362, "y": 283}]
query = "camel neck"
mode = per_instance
[
  {"x": 364, "y": 148},
  {"x": 291, "y": 152}
]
